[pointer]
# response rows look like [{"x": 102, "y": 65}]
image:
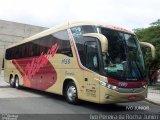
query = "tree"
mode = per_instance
[
  {"x": 156, "y": 22},
  {"x": 152, "y": 35}
]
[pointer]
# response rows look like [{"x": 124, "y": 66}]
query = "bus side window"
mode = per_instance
[
  {"x": 91, "y": 51},
  {"x": 26, "y": 50},
  {"x": 29, "y": 49},
  {"x": 14, "y": 52},
  {"x": 17, "y": 52},
  {"x": 64, "y": 43}
]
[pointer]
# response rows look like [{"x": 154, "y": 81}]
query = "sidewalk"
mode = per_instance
[
  {"x": 154, "y": 94},
  {"x": 2, "y": 82}
]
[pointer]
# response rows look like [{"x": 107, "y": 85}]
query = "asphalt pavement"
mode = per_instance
[{"x": 32, "y": 102}]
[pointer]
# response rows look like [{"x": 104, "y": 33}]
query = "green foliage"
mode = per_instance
[
  {"x": 151, "y": 35},
  {"x": 156, "y": 22},
  {"x": 148, "y": 34}
]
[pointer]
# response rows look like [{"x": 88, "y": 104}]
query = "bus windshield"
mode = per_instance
[{"x": 124, "y": 58}]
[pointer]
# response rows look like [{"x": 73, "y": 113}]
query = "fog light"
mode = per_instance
[{"x": 144, "y": 86}]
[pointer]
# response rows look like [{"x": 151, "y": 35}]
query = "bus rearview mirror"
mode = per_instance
[{"x": 149, "y": 45}]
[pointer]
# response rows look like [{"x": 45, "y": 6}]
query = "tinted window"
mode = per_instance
[
  {"x": 116, "y": 48},
  {"x": 64, "y": 43},
  {"x": 79, "y": 40},
  {"x": 91, "y": 51},
  {"x": 41, "y": 45},
  {"x": 80, "y": 30}
]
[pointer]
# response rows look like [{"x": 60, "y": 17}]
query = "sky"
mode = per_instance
[{"x": 129, "y": 14}]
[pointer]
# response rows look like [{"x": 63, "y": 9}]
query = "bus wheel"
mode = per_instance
[
  {"x": 12, "y": 81},
  {"x": 71, "y": 93},
  {"x": 17, "y": 82}
]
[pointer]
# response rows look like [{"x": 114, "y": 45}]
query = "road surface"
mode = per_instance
[{"x": 28, "y": 101}]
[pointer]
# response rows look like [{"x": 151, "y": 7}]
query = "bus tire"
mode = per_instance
[
  {"x": 71, "y": 93},
  {"x": 17, "y": 82},
  {"x": 12, "y": 81}
]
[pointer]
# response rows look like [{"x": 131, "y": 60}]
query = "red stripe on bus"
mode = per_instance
[
  {"x": 125, "y": 84},
  {"x": 37, "y": 71},
  {"x": 26, "y": 82}
]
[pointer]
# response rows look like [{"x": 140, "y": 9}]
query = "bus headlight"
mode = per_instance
[
  {"x": 112, "y": 87},
  {"x": 108, "y": 85},
  {"x": 144, "y": 86},
  {"x": 102, "y": 83}
]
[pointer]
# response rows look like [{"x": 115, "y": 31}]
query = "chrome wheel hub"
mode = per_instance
[
  {"x": 71, "y": 93},
  {"x": 17, "y": 84},
  {"x": 12, "y": 81}
]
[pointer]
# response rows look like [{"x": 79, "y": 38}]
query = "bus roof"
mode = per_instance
[
  {"x": 106, "y": 25},
  {"x": 66, "y": 26}
]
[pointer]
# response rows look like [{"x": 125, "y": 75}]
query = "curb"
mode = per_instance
[{"x": 151, "y": 101}]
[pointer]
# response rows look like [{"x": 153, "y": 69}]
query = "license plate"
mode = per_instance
[{"x": 132, "y": 97}]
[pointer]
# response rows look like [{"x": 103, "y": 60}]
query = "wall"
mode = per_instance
[{"x": 12, "y": 32}]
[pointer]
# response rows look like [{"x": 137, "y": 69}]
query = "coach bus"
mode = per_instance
[{"x": 81, "y": 61}]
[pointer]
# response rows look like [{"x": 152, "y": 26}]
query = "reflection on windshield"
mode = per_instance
[
  {"x": 135, "y": 56},
  {"x": 124, "y": 58}
]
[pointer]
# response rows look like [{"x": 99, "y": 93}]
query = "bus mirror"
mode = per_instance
[
  {"x": 149, "y": 45},
  {"x": 103, "y": 40}
]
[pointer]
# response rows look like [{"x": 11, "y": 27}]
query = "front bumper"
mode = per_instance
[{"x": 108, "y": 96}]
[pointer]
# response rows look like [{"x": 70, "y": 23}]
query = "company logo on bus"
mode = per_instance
[
  {"x": 37, "y": 63},
  {"x": 38, "y": 70},
  {"x": 122, "y": 84}
]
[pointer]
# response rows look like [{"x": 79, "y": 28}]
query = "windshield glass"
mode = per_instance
[{"x": 124, "y": 58}]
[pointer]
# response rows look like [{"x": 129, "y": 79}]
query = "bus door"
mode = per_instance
[{"x": 91, "y": 77}]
